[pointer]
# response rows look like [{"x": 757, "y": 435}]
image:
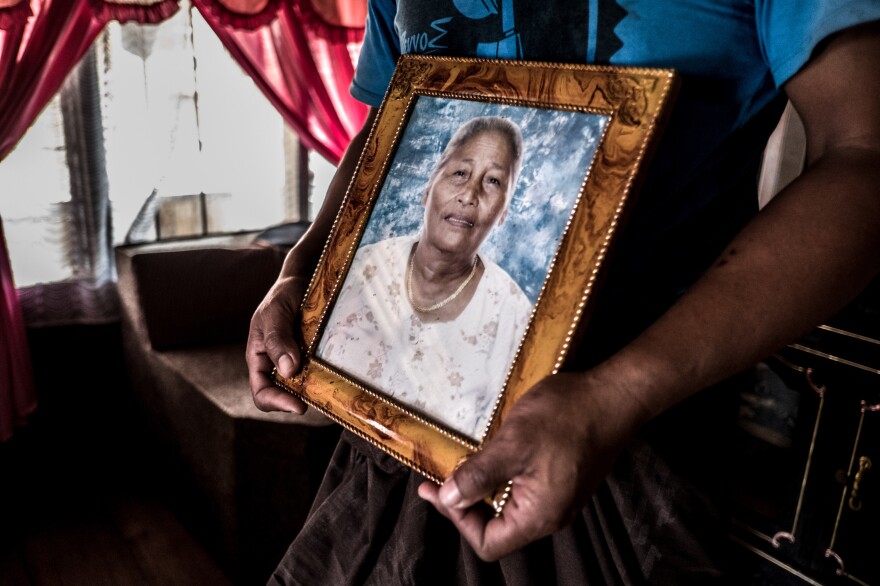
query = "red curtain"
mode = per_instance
[
  {"x": 41, "y": 41},
  {"x": 17, "y": 396},
  {"x": 302, "y": 55}
]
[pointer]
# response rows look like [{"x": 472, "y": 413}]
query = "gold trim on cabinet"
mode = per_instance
[
  {"x": 789, "y": 363},
  {"x": 776, "y": 562},
  {"x": 829, "y": 551},
  {"x": 840, "y": 571},
  {"x": 809, "y": 350},
  {"x": 790, "y": 535},
  {"x": 752, "y": 530},
  {"x": 848, "y": 334},
  {"x": 855, "y": 503}
]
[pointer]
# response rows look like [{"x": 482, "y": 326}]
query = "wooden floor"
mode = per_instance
[
  {"x": 80, "y": 514},
  {"x": 83, "y": 497}
]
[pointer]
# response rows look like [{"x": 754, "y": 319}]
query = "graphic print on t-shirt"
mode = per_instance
[{"x": 511, "y": 29}]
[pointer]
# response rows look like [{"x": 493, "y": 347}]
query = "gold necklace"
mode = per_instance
[{"x": 439, "y": 304}]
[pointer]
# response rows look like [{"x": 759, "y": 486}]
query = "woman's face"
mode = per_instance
[{"x": 468, "y": 195}]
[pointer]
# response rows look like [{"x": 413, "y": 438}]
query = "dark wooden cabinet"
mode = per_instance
[{"x": 807, "y": 493}]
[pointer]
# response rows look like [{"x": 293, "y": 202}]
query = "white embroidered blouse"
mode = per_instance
[{"x": 450, "y": 371}]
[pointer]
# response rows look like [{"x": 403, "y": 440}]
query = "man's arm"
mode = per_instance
[
  {"x": 802, "y": 258},
  {"x": 271, "y": 340}
]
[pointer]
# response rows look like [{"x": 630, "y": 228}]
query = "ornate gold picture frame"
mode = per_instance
[{"x": 430, "y": 384}]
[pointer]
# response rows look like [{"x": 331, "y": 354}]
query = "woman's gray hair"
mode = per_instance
[{"x": 479, "y": 125}]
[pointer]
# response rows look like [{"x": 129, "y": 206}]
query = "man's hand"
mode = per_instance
[
  {"x": 271, "y": 342},
  {"x": 809, "y": 252},
  {"x": 557, "y": 443}
]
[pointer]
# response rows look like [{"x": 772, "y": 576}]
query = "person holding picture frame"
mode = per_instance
[
  {"x": 617, "y": 462},
  {"x": 425, "y": 318}
]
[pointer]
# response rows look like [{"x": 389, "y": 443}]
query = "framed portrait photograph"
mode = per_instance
[{"x": 471, "y": 242}]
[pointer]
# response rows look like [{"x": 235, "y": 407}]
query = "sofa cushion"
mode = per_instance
[{"x": 202, "y": 296}]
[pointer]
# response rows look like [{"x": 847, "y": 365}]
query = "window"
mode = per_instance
[
  {"x": 34, "y": 185},
  {"x": 183, "y": 119},
  {"x": 158, "y": 118}
]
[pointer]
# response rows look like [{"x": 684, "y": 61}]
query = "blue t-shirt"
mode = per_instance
[
  {"x": 749, "y": 48},
  {"x": 733, "y": 57}
]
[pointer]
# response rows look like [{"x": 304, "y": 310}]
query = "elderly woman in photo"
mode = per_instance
[{"x": 425, "y": 318}]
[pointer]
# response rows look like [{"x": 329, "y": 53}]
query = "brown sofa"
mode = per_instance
[{"x": 243, "y": 479}]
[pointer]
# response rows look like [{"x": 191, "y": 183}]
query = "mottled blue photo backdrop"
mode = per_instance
[{"x": 558, "y": 147}]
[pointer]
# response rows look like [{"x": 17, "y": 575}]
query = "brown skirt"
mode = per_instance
[{"x": 647, "y": 524}]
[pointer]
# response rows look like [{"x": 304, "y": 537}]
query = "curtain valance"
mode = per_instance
[
  {"x": 301, "y": 54},
  {"x": 328, "y": 18}
]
